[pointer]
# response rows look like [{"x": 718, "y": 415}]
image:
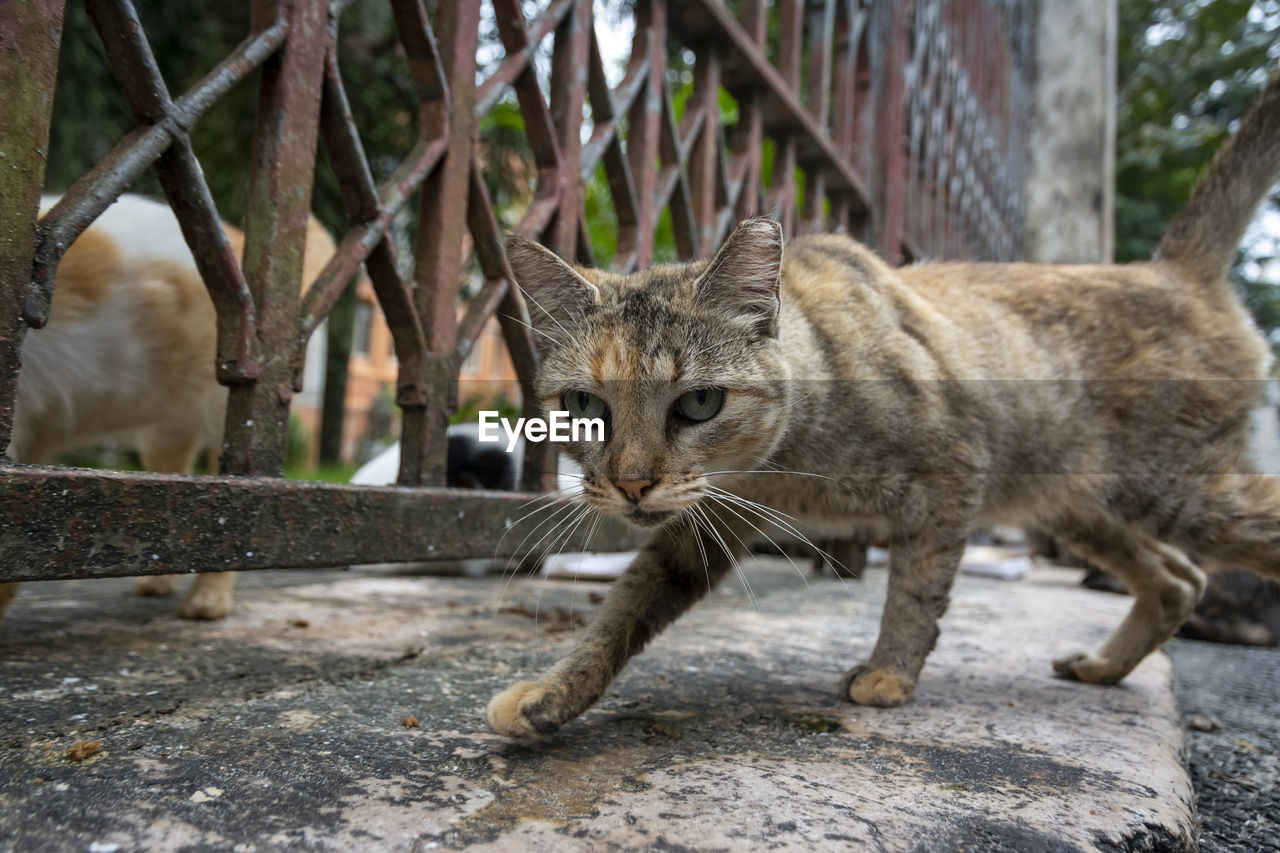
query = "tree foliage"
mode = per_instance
[{"x": 1188, "y": 70}]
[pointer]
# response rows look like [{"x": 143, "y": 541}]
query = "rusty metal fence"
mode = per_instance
[{"x": 893, "y": 120}]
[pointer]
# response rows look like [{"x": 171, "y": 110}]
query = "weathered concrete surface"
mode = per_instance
[
  {"x": 1229, "y": 697},
  {"x": 282, "y": 726}
]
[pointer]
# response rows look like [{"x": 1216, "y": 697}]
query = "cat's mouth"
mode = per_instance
[{"x": 648, "y": 518}]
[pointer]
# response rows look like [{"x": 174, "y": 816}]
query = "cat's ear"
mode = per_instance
[
  {"x": 555, "y": 292},
  {"x": 744, "y": 275}
]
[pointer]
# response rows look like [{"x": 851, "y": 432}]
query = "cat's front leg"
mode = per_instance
[
  {"x": 921, "y": 572},
  {"x": 674, "y": 570}
]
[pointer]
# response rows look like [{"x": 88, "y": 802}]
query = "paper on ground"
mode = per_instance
[{"x": 587, "y": 566}]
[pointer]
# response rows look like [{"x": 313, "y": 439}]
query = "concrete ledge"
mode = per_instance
[{"x": 282, "y": 725}]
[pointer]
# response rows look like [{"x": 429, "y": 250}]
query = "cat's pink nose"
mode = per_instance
[{"x": 633, "y": 489}]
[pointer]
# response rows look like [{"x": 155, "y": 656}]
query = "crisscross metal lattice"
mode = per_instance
[{"x": 895, "y": 120}]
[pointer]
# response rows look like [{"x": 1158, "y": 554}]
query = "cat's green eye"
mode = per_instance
[
  {"x": 580, "y": 404},
  {"x": 700, "y": 405}
]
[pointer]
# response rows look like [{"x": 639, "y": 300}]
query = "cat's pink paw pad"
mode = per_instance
[
  {"x": 155, "y": 585},
  {"x": 878, "y": 687},
  {"x": 510, "y": 714},
  {"x": 1088, "y": 668}
]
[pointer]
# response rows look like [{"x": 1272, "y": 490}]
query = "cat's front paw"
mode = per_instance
[
  {"x": 1088, "y": 668},
  {"x": 878, "y": 687},
  {"x": 523, "y": 711}
]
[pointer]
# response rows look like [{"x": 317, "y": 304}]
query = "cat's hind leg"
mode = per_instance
[
  {"x": 1234, "y": 519},
  {"x": 1165, "y": 585}
]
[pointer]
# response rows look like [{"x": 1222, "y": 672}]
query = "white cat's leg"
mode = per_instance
[
  {"x": 155, "y": 585},
  {"x": 162, "y": 453},
  {"x": 7, "y": 592},
  {"x": 922, "y": 569},
  {"x": 667, "y": 578},
  {"x": 210, "y": 596},
  {"x": 1165, "y": 586}
]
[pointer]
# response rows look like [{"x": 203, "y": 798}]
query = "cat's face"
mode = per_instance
[{"x": 681, "y": 362}]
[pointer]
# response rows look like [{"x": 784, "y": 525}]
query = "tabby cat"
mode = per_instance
[
  {"x": 128, "y": 357},
  {"x": 820, "y": 383}
]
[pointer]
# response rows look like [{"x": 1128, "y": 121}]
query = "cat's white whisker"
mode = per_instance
[
  {"x": 702, "y": 551},
  {"x": 531, "y": 328},
  {"x": 550, "y": 504},
  {"x": 799, "y": 400},
  {"x": 557, "y": 545},
  {"x": 737, "y": 566},
  {"x": 781, "y": 519},
  {"x": 695, "y": 529},
  {"x": 586, "y": 547},
  {"x": 728, "y": 505},
  {"x": 703, "y": 523},
  {"x": 777, "y": 471},
  {"x": 529, "y": 296},
  {"x": 556, "y": 519}
]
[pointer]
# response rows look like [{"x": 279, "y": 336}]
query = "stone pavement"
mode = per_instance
[{"x": 284, "y": 726}]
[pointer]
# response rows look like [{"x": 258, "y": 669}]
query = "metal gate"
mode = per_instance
[{"x": 896, "y": 121}]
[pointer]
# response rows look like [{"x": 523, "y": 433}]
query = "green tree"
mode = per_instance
[{"x": 1188, "y": 70}]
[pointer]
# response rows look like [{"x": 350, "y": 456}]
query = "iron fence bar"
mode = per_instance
[
  {"x": 704, "y": 170},
  {"x": 605, "y": 145},
  {"x": 135, "y": 69},
  {"x": 746, "y": 143},
  {"x": 69, "y": 523},
  {"x": 518, "y": 61},
  {"x": 821, "y": 25},
  {"x": 426, "y": 67},
  {"x": 89, "y": 196},
  {"x": 364, "y": 238},
  {"x": 711, "y": 17},
  {"x": 364, "y": 206},
  {"x": 483, "y": 225},
  {"x": 608, "y": 105},
  {"x": 438, "y": 247},
  {"x": 359, "y": 199},
  {"x": 538, "y": 473},
  {"x": 673, "y": 183},
  {"x": 644, "y": 121},
  {"x": 279, "y": 204},
  {"x": 790, "y": 43},
  {"x": 569, "y": 71},
  {"x": 421, "y": 433},
  {"x": 540, "y": 128},
  {"x": 30, "y": 35},
  {"x": 957, "y": 136},
  {"x": 890, "y": 129}
]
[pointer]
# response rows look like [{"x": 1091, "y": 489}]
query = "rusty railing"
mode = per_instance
[{"x": 893, "y": 120}]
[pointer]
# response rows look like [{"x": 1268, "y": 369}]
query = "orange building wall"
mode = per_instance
[{"x": 487, "y": 373}]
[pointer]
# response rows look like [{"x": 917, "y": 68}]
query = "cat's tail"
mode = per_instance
[{"x": 1203, "y": 238}]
